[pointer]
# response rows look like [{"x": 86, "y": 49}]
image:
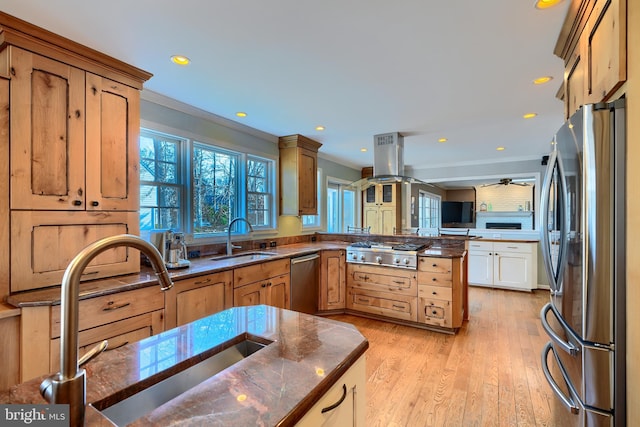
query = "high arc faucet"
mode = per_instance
[
  {"x": 69, "y": 385},
  {"x": 231, "y": 247}
]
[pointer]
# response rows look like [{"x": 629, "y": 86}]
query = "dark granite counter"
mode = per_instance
[
  {"x": 146, "y": 277},
  {"x": 274, "y": 386}
]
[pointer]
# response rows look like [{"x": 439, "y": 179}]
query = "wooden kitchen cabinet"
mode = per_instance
[
  {"x": 441, "y": 298},
  {"x": 120, "y": 318},
  {"x": 70, "y": 127},
  {"x": 72, "y": 158},
  {"x": 382, "y": 291},
  {"x": 264, "y": 283},
  {"x": 380, "y": 206},
  {"x": 198, "y": 297},
  {"x": 509, "y": 265},
  {"x": 592, "y": 43},
  {"x": 44, "y": 242},
  {"x": 344, "y": 404},
  {"x": 298, "y": 175},
  {"x": 332, "y": 280}
]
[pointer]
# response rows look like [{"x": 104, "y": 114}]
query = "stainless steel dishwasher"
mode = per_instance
[{"x": 304, "y": 283}]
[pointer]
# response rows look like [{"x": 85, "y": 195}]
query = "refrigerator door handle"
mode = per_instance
[
  {"x": 568, "y": 401},
  {"x": 565, "y": 345},
  {"x": 545, "y": 194}
]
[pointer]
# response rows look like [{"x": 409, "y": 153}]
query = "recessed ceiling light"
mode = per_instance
[
  {"x": 442, "y": 139},
  {"x": 364, "y": 150},
  {"x": 241, "y": 114},
  {"x": 180, "y": 60},
  {"x": 320, "y": 128},
  {"x": 542, "y": 80},
  {"x": 500, "y": 149},
  {"x": 545, "y": 4},
  {"x": 529, "y": 115}
]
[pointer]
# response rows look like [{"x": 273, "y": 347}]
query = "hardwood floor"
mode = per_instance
[{"x": 488, "y": 374}]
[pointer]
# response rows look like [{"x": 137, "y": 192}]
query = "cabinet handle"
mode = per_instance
[
  {"x": 362, "y": 300},
  {"x": 434, "y": 265},
  {"x": 269, "y": 283},
  {"x": 434, "y": 312},
  {"x": 512, "y": 247},
  {"x": 398, "y": 282},
  {"x": 338, "y": 403},
  {"x": 77, "y": 203},
  {"x": 401, "y": 307},
  {"x": 490, "y": 254},
  {"x": 496, "y": 253},
  {"x": 113, "y": 348},
  {"x": 201, "y": 282},
  {"x": 433, "y": 279},
  {"x": 264, "y": 285},
  {"x": 95, "y": 203},
  {"x": 111, "y": 307},
  {"x": 434, "y": 293}
]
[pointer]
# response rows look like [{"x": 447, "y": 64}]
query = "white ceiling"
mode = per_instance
[{"x": 459, "y": 69}]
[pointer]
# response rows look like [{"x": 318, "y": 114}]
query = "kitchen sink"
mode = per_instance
[
  {"x": 246, "y": 256},
  {"x": 137, "y": 405}
]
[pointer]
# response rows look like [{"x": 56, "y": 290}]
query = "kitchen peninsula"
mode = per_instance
[{"x": 277, "y": 385}]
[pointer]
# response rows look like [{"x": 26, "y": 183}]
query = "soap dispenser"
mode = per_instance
[{"x": 483, "y": 207}]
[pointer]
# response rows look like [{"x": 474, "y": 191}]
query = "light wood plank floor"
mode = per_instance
[{"x": 488, "y": 374}]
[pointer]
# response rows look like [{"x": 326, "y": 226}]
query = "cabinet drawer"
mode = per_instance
[
  {"x": 480, "y": 246},
  {"x": 437, "y": 292},
  {"x": 513, "y": 247},
  {"x": 118, "y": 334},
  {"x": 434, "y": 265},
  {"x": 384, "y": 279},
  {"x": 435, "y": 279},
  {"x": 382, "y": 303},
  {"x": 251, "y": 273},
  {"x": 110, "y": 308},
  {"x": 435, "y": 312}
]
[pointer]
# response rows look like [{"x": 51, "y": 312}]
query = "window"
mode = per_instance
[
  {"x": 214, "y": 174},
  {"x": 341, "y": 207},
  {"x": 429, "y": 210},
  {"x": 161, "y": 189},
  {"x": 259, "y": 192},
  {"x": 314, "y": 221},
  {"x": 197, "y": 188}
]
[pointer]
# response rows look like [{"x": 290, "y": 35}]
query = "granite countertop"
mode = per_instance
[
  {"x": 147, "y": 277},
  {"x": 274, "y": 386}
]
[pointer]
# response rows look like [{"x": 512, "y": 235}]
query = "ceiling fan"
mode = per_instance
[{"x": 507, "y": 181}]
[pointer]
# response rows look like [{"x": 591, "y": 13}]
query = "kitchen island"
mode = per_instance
[{"x": 303, "y": 358}]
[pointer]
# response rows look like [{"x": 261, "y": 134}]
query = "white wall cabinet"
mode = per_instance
[{"x": 510, "y": 265}]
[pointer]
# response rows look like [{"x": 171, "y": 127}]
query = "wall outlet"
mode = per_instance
[
  {"x": 263, "y": 245},
  {"x": 272, "y": 244},
  {"x": 193, "y": 254}
]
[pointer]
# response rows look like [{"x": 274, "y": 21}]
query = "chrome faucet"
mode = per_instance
[
  {"x": 69, "y": 385},
  {"x": 231, "y": 247}
]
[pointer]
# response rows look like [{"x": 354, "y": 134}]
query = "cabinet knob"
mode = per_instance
[
  {"x": 434, "y": 312},
  {"x": 434, "y": 265},
  {"x": 264, "y": 285},
  {"x": 434, "y": 293},
  {"x": 433, "y": 279},
  {"x": 77, "y": 203},
  {"x": 95, "y": 203}
]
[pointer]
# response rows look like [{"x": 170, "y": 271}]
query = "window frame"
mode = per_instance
[
  {"x": 432, "y": 197},
  {"x": 341, "y": 186},
  {"x": 188, "y": 142}
]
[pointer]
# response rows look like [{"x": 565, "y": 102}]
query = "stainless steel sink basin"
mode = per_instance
[
  {"x": 141, "y": 403},
  {"x": 246, "y": 256}
]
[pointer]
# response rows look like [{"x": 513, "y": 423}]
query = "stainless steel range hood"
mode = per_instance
[{"x": 388, "y": 161}]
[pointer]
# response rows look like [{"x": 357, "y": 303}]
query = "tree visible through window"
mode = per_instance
[
  {"x": 160, "y": 188},
  {"x": 214, "y": 189},
  {"x": 258, "y": 192}
]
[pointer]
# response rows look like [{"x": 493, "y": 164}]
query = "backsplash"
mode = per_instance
[{"x": 504, "y": 198}]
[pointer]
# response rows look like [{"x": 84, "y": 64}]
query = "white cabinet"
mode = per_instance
[
  {"x": 510, "y": 265},
  {"x": 344, "y": 404}
]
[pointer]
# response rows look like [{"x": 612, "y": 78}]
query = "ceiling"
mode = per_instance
[{"x": 428, "y": 69}]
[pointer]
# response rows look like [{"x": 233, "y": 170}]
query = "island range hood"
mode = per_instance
[{"x": 388, "y": 161}]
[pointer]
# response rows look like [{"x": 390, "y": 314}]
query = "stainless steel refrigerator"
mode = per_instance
[{"x": 583, "y": 244}]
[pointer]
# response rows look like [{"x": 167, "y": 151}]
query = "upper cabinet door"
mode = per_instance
[
  {"x": 47, "y": 133},
  {"x": 113, "y": 123}
]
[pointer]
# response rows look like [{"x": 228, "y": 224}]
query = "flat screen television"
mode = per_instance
[{"x": 457, "y": 212}]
